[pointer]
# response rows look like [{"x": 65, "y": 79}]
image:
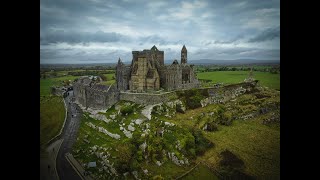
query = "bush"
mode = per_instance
[
  {"x": 125, "y": 152},
  {"x": 201, "y": 143},
  {"x": 212, "y": 126},
  {"x": 224, "y": 117},
  {"x": 140, "y": 157},
  {"x": 194, "y": 102},
  {"x": 126, "y": 110},
  {"x": 179, "y": 108},
  {"x": 103, "y": 77}
]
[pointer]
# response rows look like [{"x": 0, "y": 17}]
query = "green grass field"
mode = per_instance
[
  {"x": 200, "y": 172},
  {"x": 52, "y": 114},
  {"x": 258, "y": 145},
  {"x": 109, "y": 79},
  {"x": 45, "y": 84},
  {"x": 228, "y": 77}
]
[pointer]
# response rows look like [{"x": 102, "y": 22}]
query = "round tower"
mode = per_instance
[{"x": 184, "y": 55}]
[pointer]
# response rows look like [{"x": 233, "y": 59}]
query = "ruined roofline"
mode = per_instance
[{"x": 146, "y": 51}]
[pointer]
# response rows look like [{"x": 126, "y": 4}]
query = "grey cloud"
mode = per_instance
[
  {"x": 268, "y": 34},
  {"x": 59, "y": 36},
  {"x": 155, "y": 39},
  {"x": 138, "y": 24}
]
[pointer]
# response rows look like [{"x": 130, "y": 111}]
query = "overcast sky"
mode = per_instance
[{"x": 101, "y": 31}]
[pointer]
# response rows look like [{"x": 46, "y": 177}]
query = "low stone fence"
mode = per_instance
[{"x": 216, "y": 94}]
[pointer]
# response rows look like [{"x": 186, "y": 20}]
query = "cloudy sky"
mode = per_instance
[{"x": 101, "y": 31}]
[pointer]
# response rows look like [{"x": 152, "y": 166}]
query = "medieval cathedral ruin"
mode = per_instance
[{"x": 148, "y": 72}]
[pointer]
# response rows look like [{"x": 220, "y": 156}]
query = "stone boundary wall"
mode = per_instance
[
  {"x": 147, "y": 98},
  {"x": 216, "y": 95},
  {"x": 226, "y": 93}
]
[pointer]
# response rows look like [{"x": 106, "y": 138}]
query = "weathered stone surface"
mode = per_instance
[
  {"x": 147, "y": 111},
  {"x": 101, "y": 129},
  {"x": 138, "y": 121},
  {"x": 158, "y": 163},
  {"x": 90, "y": 94},
  {"x": 112, "y": 116},
  {"x": 148, "y": 72},
  {"x": 143, "y": 146},
  {"x": 131, "y": 128},
  {"x": 101, "y": 117},
  {"x": 135, "y": 174},
  {"x": 145, "y": 171},
  {"x": 169, "y": 124},
  {"x": 127, "y": 133}
]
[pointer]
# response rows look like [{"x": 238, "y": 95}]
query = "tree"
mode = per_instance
[
  {"x": 103, "y": 77},
  {"x": 125, "y": 152},
  {"x": 54, "y": 74}
]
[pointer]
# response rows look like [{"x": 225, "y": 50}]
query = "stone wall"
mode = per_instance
[
  {"x": 95, "y": 96},
  {"x": 216, "y": 94},
  {"x": 146, "y": 98},
  {"x": 226, "y": 93}
]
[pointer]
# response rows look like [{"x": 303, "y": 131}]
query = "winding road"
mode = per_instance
[{"x": 69, "y": 136}]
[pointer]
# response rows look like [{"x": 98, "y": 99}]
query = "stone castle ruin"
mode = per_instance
[
  {"x": 146, "y": 81},
  {"x": 148, "y": 72},
  {"x": 89, "y": 93}
]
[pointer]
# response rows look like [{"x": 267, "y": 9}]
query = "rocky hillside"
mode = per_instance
[{"x": 168, "y": 139}]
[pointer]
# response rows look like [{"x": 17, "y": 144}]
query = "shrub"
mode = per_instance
[
  {"x": 125, "y": 156},
  {"x": 224, "y": 117},
  {"x": 139, "y": 156},
  {"x": 201, "y": 143},
  {"x": 126, "y": 110},
  {"x": 179, "y": 108},
  {"x": 212, "y": 126},
  {"x": 134, "y": 164},
  {"x": 103, "y": 77},
  {"x": 193, "y": 102}
]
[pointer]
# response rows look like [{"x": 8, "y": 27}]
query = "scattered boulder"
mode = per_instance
[
  {"x": 112, "y": 116},
  {"x": 145, "y": 171},
  {"x": 138, "y": 121},
  {"x": 169, "y": 124},
  {"x": 135, "y": 174},
  {"x": 180, "y": 107},
  {"x": 128, "y": 134},
  {"x": 158, "y": 163},
  {"x": 131, "y": 128}
]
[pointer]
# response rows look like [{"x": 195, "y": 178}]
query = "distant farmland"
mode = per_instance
[{"x": 229, "y": 77}]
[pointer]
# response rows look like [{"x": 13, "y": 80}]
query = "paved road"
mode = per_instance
[{"x": 69, "y": 134}]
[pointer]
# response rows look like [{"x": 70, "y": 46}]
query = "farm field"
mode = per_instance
[
  {"x": 52, "y": 114},
  {"x": 229, "y": 77}
]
